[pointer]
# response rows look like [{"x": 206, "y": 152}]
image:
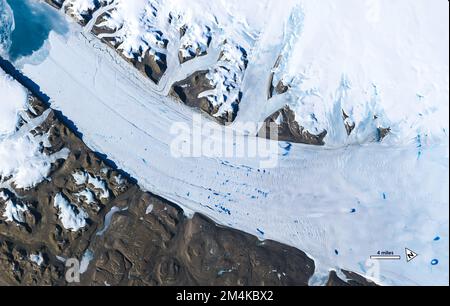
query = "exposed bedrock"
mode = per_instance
[{"x": 189, "y": 92}]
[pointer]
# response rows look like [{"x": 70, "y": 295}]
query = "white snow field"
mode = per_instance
[
  {"x": 13, "y": 212},
  {"x": 340, "y": 203}
]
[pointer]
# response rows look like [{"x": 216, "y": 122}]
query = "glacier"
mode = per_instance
[
  {"x": 18, "y": 20},
  {"x": 339, "y": 203}
]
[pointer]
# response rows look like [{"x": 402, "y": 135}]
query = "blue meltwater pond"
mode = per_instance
[{"x": 33, "y": 22}]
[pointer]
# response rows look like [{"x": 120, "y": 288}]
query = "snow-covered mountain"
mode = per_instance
[
  {"x": 158, "y": 35},
  {"x": 374, "y": 64},
  {"x": 366, "y": 79},
  {"x": 372, "y": 71}
]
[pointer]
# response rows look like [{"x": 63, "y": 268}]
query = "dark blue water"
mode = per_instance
[{"x": 33, "y": 23}]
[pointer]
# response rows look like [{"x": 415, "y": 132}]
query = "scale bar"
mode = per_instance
[{"x": 385, "y": 257}]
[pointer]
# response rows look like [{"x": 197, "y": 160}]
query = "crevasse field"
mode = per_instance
[{"x": 339, "y": 203}]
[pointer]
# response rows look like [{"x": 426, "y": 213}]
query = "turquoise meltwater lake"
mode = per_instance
[{"x": 33, "y": 22}]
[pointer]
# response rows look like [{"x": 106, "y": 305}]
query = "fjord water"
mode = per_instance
[{"x": 33, "y": 22}]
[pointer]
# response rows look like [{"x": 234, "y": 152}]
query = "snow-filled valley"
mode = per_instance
[{"x": 383, "y": 63}]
